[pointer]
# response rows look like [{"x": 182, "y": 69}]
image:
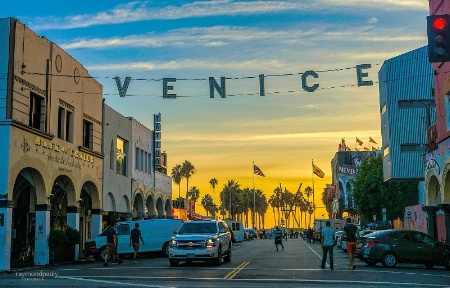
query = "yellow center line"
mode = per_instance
[{"x": 235, "y": 271}]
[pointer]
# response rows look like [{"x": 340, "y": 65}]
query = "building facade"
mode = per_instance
[
  {"x": 132, "y": 187},
  {"x": 344, "y": 168},
  {"x": 50, "y": 120},
  {"x": 407, "y": 109},
  {"x": 437, "y": 158}
]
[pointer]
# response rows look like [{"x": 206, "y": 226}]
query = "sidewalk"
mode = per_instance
[{"x": 36, "y": 267}]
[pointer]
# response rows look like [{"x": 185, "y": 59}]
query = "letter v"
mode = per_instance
[{"x": 122, "y": 89}]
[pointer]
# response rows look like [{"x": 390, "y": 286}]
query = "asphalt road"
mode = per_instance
[{"x": 254, "y": 264}]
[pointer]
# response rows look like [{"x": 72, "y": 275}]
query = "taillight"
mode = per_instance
[{"x": 370, "y": 243}]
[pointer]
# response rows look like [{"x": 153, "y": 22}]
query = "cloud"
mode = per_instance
[
  {"x": 137, "y": 11},
  {"x": 373, "y": 20},
  {"x": 217, "y": 36}
]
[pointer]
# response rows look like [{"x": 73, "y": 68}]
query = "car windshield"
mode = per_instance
[{"x": 198, "y": 228}]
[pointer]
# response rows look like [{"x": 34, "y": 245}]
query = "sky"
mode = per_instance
[{"x": 281, "y": 132}]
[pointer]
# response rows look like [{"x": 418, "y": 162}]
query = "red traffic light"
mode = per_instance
[{"x": 439, "y": 23}]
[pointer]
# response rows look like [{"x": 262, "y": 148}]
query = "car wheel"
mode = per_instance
[
  {"x": 228, "y": 257},
  {"x": 173, "y": 262},
  {"x": 447, "y": 262},
  {"x": 389, "y": 260},
  {"x": 165, "y": 250},
  {"x": 370, "y": 262},
  {"x": 429, "y": 266},
  {"x": 100, "y": 256},
  {"x": 219, "y": 255}
]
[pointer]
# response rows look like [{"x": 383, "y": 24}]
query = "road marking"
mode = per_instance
[
  {"x": 114, "y": 282},
  {"x": 234, "y": 272},
  {"x": 252, "y": 280}
]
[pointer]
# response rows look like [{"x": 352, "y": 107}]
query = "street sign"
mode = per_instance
[
  {"x": 383, "y": 210},
  {"x": 374, "y": 217}
]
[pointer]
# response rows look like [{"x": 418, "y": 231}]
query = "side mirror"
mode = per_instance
[{"x": 175, "y": 231}]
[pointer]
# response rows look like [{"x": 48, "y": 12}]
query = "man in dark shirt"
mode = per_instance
[
  {"x": 111, "y": 245},
  {"x": 135, "y": 235},
  {"x": 350, "y": 230}
]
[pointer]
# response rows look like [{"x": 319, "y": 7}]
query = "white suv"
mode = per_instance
[{"x": 201, "y": 240}]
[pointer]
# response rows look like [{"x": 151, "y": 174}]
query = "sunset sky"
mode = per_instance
[{"x": 194, "y": 40}]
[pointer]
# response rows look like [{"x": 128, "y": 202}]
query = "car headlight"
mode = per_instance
[
  {"x": 211, "y": 242},
  {"x": 173, "y": 243}
]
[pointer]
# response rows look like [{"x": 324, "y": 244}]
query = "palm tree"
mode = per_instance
[
  {"x": 176, "y": 176},
  {"x": 229, "y": 194},
  {"x": 207, "y": 203},
  {"x": 273, "y": 201},
  {"x": 187, "y": 171},
  {"x": 193, "y": 194},
  {"x": 213, "y": 182},
  {"x": 246, "y": 203}
]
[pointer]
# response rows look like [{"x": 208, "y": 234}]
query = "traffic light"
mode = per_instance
[{"x": 438, "y": 30}]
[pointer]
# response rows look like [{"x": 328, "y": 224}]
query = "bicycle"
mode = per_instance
[{"x": 26, "y": 257}]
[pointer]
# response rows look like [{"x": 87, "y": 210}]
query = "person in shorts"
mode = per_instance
[
  {"x": 111, "y": 245},
  {"x": 135, "y": 235},
  {"x": 350, "y": 230},
  {"x": 278, "y": 237}
]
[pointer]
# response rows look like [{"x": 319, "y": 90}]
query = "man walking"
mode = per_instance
[
  {"x": 350, "y": 230},
  {"x": 326, "y": 242},
  {"x": 135, "y": 235},
  {"x": 111, "y": 245},
  {"x": 278, "y": 237}
]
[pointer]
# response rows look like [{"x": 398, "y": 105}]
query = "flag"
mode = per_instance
[
  {"x": 318, "y": 171},
  {"x": 371, "y": 140},
  {"x": 258, "y": 171},
  {"x": 374, "y": 149},
  {"x": 359, "y": 141},
  {"x": 356, "y": 149},
  {"x": 366, "y": 149}
]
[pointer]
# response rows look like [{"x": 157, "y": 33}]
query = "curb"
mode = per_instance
[{"x": 35, "y": 267}]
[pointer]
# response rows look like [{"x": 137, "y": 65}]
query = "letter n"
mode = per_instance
[{"x": 220, "y": 89}]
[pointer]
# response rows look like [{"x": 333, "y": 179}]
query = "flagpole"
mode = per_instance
[
  {"x": 312, "y": 162},
  {"x": 254, "y": 196}
]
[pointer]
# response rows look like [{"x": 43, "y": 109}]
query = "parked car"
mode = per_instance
[
  {"x": 404, "y": 246},
  {"x": 337, "y": 237},
  {"x": 251, "y": 233},
  {"x": 362, "y": 238},
  {"x": 201, "y": 240},
  {"x": 342, "y": 242}
]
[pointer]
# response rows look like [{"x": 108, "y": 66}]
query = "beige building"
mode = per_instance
[{"x": 50, "y": 122}]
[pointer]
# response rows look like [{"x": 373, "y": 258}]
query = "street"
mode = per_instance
[{"x": 254, "y": 264}]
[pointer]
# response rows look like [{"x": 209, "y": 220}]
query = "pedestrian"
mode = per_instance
[
  {"x": 111, "y": 245},
  {"x": 135, "y": 235},
  {"x": 278, "y": 237},
  {"x": 327, "y": 244},
  {"x": 350, "y": 230}
]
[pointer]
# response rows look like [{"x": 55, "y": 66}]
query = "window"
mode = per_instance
[
  {"x": 141, "y": 167},
  {"x": 65, "y": 129},
  {"x": 123, "y": 229},
  {"x": 412, "y": 148},
  {"x": 121, "y": 156},
  {"x": 138, "y": 159},
  {"x": 111, "y": 156},
  {"x": 383, "y": 109},
  {"x": 87, "y": 134},
  {"x": 149, "y": 163},
  {"x": 37, "y": 119}
]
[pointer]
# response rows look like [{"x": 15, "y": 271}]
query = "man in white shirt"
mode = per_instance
[{"x": 326, "y": 242}]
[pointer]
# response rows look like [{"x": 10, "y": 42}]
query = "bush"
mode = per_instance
[
  {"x": 57, "y": 238},
  {"x": 73, "y": 236}
]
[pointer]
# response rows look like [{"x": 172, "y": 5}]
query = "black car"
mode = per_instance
[
  {"x": 404, "y": 246},
  {"x": 251, "y": 233}
]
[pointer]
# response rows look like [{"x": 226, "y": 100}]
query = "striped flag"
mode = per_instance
[
  {"x": 359, "y": 141},
  {"x": 374, "y": 149},
  {"x": 371, "y": 140},
  {"x": 258, "y": 171},
  {"x": 318, "y": 171},
  {"x": 366, "y": 149}
]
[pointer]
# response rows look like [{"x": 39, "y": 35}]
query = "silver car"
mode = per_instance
[{"x": 201, "y": 240}]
